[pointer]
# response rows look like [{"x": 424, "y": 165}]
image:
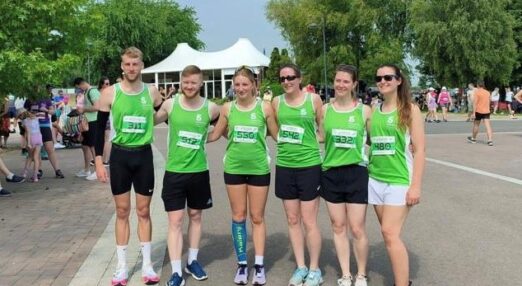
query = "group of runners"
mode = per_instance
[{"x": 348, "y": 180}]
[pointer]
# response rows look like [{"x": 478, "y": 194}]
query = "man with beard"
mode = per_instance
[{"x": 131, "y": 104}]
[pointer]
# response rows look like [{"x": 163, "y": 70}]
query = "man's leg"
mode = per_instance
[
  {"x": 476, "y": 125},
  {"x": 489, "y": 130}
]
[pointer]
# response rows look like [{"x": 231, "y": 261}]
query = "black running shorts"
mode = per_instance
[
  {"x": 480, "y": 116},
  {"x": 298, "y": 183},
  {"x": 253, "y": 180},
  {"x": 132, "y": 167},
  {"x": 345, "y": 184},
  {"x": 192, "y": 188}
]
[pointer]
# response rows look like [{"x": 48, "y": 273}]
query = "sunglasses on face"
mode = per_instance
[
  {"x": 288, "y": 78},
  {"x": 388, "y": 77},
  {"x": 106, "y": 83}
]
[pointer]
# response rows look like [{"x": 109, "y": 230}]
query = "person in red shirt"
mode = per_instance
[{"x": 481, "y": 111}]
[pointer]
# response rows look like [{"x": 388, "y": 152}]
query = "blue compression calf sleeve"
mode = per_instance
[{"x": 239, "y": 237}]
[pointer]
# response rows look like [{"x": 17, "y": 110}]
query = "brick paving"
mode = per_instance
[{"x": 47, "y": 229}]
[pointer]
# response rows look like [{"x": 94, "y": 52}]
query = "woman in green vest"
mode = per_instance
[
  {"x": 298, "y": 172},
  {"x": 396, "y": 163},
  {"x": 247, "y": 168},
  {"x": 344, "y": 182}
]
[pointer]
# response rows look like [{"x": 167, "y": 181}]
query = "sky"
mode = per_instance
[{"x": 225, "y": 21}]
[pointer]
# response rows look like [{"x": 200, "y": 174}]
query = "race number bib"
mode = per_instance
[
  {"x": 245, "y": 134},
  {"x": 134, "y": 124},
  {"x": 189, "y": 140},
  {"x": 383, "y": 145},
  {"x": 290, "y": 134},
  {"x": 344, "y": 138}
]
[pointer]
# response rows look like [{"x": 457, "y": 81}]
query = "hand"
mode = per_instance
[
  {"x": 413, "y": 196},
  {"x": 101, "y": 172},
  {"x": 29, "y": 146}
]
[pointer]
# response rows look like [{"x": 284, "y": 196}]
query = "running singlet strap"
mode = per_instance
[
  {"x": 345, "y": 133},
  {"x": 390, "y": 158},
  {"x": 132, "y": 117},
  {"x": 187, "y": 138},
  {"x": 247, "y": 153},
  {"x": 297, "y": 144}
]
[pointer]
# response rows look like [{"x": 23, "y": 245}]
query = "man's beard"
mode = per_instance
[{"x": 135, "y": 78}]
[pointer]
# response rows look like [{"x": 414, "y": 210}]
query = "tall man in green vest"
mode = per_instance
[
  {"x": 186, "y": 179},
  {"x": 131, "y": 105}
]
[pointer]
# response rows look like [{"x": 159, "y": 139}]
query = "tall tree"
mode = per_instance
[
  {"x": 463, "y": 41},
  {"x": 38, "y": 41},
  {"x": 357, "y": 32},
  {"x": 154, "y": 26},
  {"x": 515, "y": 8}
]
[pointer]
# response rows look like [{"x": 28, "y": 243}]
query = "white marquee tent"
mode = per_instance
[{"x": 218, "y": 67}]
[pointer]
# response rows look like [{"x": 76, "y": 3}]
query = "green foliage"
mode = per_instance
[
  {"x": 359, "y": 32},
  {"x": 515, "y": 8},
  {"x": 274, "y": 86},
  {"x": 277, "y": 59},
  {"x": 153, "y": 26},
  {"x": 463, "y": 41}
]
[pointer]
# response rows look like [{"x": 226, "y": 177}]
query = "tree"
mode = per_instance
[
  {"x": 359, "y": 32},
  {"x": 464, "y": 41},
  {"x": 154, "y": 26},
  {"x": 37, "y": 44},
  {"x": 515, "y": 8}
]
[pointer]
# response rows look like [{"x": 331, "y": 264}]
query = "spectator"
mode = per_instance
[
  {"x": 267, "y": 96},
  {"x": 431, "y": 101},
  {"x": 516, "y": 104},
  {"x": 58, "y": 109},
  {"x": 89, "y": 109},
  {"x": 171, "y": 90},
  {"x": 509, "y": 99},
  {"x": 43, "y": 108},
  {"x": 444, "y": 102},
  {"x": 34, "y": 144},
  {"x": 103, "y": 84},
  {"x": 495, "y": 97},
  {"x": 9, "y": 177},
  {"x": 230, "y": 93},
  {"x": 163, "y": 93},
  {"x": 469, "y": 100},
  {"x": 5, "y": 123}
]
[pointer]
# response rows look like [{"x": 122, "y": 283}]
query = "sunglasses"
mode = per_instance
[
  {"x": 106, "y": 83},
  {"x": 288, "y": 78},
  {"x": 388, "y": 77}
]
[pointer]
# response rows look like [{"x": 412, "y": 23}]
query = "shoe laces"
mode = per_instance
[
  {"x": 258, "y": 269},
  {"x": 241, "y": 268},
  {"x": 120, "y": 273}
]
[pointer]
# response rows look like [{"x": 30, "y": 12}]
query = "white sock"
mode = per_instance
[
  {"x": 9, "y": 176},
  {"x": 259, "y": 260},
  {"x": 145, "y": 252},
  {"x": 176, "y": 266},
  {"x": 192, "y": 254},
  {"x": 121, "y": 251}
]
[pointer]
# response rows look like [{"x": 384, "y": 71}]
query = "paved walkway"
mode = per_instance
[{"x": 47, "y": 229}]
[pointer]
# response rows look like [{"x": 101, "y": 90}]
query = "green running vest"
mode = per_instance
[
  {"x": 132, "y": 117},
  {"x": 187, "y": 138},
  {"x": 297, "y": 145},
  {"x": 390, "y": 158},
  {"x": 345, "y": 134},
  {"x": 247, "y": 153}
]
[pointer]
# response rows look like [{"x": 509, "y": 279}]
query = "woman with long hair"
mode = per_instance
[
  {"x": 344, "y": 182},
  {"x": 247, "y": 168},
  {"x": 396, "y": 163},
  {"x": 298, "y": 171}
]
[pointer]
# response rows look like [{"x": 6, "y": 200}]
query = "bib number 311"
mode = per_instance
[{"x": 134, "y": 124}]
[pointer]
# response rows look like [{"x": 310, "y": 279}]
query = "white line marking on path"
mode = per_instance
[{"x": 476, "y": 171}]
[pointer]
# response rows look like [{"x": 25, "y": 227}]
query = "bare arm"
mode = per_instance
[
  {"x": 368, "y": 117},
  {"x": 518, "y": 96},
  {"x": 163, "y": 113},
  {"x": 271, "y": 121},
  {"x": 418, "y": 144},
  {"x": 320, "y": 132},
  {"x": 221, "y": 125},
  {"x": 318, "y": 107}
]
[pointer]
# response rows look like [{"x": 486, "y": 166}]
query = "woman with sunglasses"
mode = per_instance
[
  {"x": 298, "y": 171},
  {"x": 395, "y": 174},
  {"x": 247, "y": 168},
  {"x": 344, "y": 183}
]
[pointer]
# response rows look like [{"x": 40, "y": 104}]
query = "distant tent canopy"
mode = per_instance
[{"x": 218, "y": 67}]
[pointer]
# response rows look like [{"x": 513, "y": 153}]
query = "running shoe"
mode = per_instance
[
  {"x": 92, "y": 177},
  {"x": 15, "y": 179},
  {"x": 241, "y": 274},
  {"x": 91, "y": 163},
  {"x": 490, "y": 143},
  {"x": 148, "y": 276},
  {"x": 345, "y": 281},
  {"x": 196, "y": 271},
  {"x": 106, "y": 164},
  {"x": 120, "y": 277},
  {"x": 175, "y": 280},
  {"x": 40, "y": 174},
  {"x": 83, "y": 173},
  {"x": 259, "y": 275},
  {"x": 314, "y": 278},
  {"x": 25, "y": 152},
  {"x": 361, "y": 280},
  {"x": 59, "y": 174},
  {"x": 472, "y": 140},
  {"x": 298, "y": 277},
  {"x": 5, "y": 193},
  {"x": 58, "y": 145}
]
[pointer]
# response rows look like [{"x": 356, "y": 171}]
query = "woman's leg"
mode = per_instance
[
  {"x": 37, "y": 159},
  {"x": 257, "y": 196},
  {"x": 392, "y": 220},
  {"x": 309, "y": 211},
  {"x": 237, "y": 197},
  {"x": 357, "y": 222},
  {"x": 295, "y": 231},
  {"x": 338, "y": 213}
]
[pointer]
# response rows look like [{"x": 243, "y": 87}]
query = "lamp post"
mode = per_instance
[{"x": 323, "y": 30}]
